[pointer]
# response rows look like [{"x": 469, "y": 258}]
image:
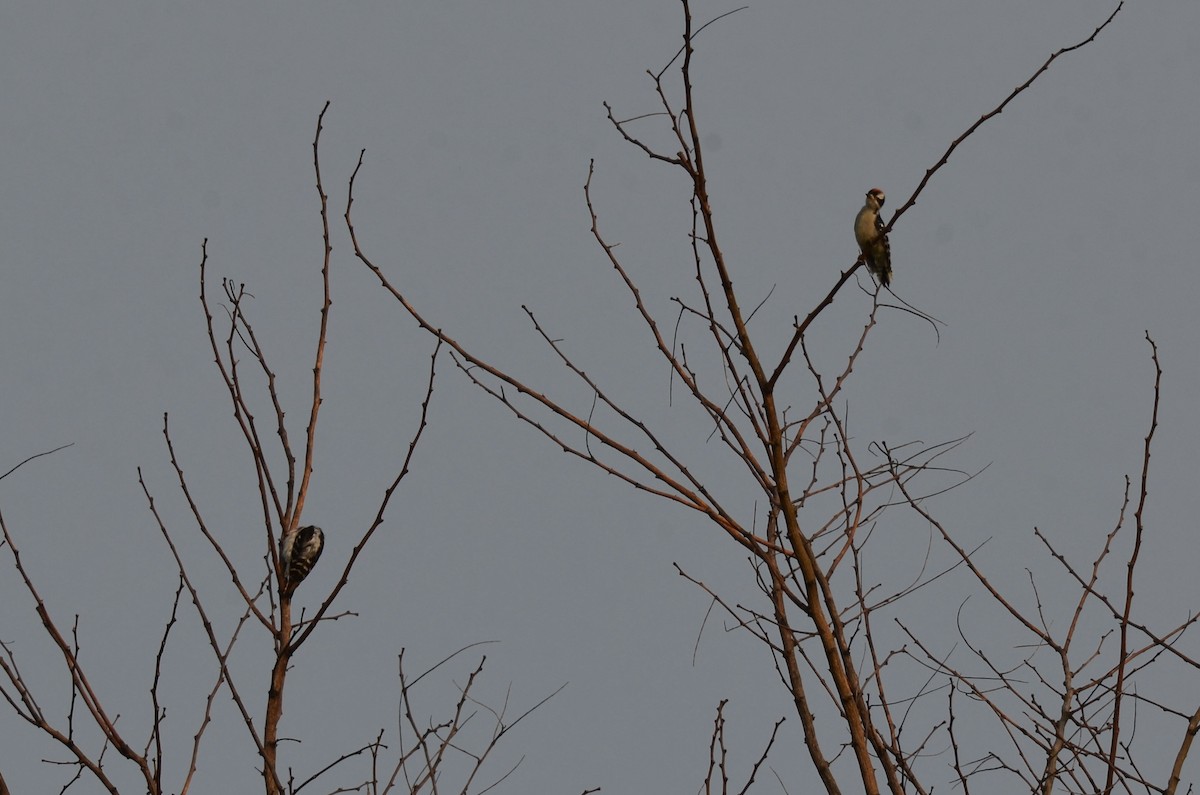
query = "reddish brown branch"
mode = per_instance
[
  {"x": 310, "y": 445},
  {"x": 1130, "y": 565}
]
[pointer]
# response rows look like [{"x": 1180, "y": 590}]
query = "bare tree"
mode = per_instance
[
  {"x": 1064, "y": 705},
  {"x": 452, "y": 752},
  {"x": 881, "y": 705}
]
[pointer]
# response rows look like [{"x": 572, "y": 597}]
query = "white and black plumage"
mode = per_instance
[
  {"x": 298, "y": 553},
  {"x": 874, "y": 244}
]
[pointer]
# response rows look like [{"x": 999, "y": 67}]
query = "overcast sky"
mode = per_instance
[{"x": 132, "y": 131}]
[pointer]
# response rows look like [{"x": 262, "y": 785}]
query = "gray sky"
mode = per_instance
[{"x": 131, "y": 131}]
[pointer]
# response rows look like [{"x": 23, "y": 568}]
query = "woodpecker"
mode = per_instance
[
  {"x": 868, "y": 231},
  {"x": 298, "y": 553}
]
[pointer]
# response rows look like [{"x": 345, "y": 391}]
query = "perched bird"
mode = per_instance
[
  {"x": 868, "y": 231},
  {"x": 298, "y": 553}
]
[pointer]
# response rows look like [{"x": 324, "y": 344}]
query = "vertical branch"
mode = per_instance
[
  {"x": 284, "y": 647},
  {"x": 156, "y": 729},
  {"x": 319, "y": 358},
  {"x": 1130, "y": 565},
  {"x": 695, "y": 169}
]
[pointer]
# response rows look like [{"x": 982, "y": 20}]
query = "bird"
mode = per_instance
[
  {"x": 868, "y": 231},
  {"x": 298, "y": 553}
]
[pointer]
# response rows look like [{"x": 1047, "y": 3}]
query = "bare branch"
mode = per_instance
[
  {"x": 995, "y": 112},
  {"x": 36, "y": 455}
]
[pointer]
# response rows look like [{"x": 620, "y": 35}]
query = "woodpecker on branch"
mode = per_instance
[
  {"x": 868, "y": 231},
  {"x": 298, "y": 553}
]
